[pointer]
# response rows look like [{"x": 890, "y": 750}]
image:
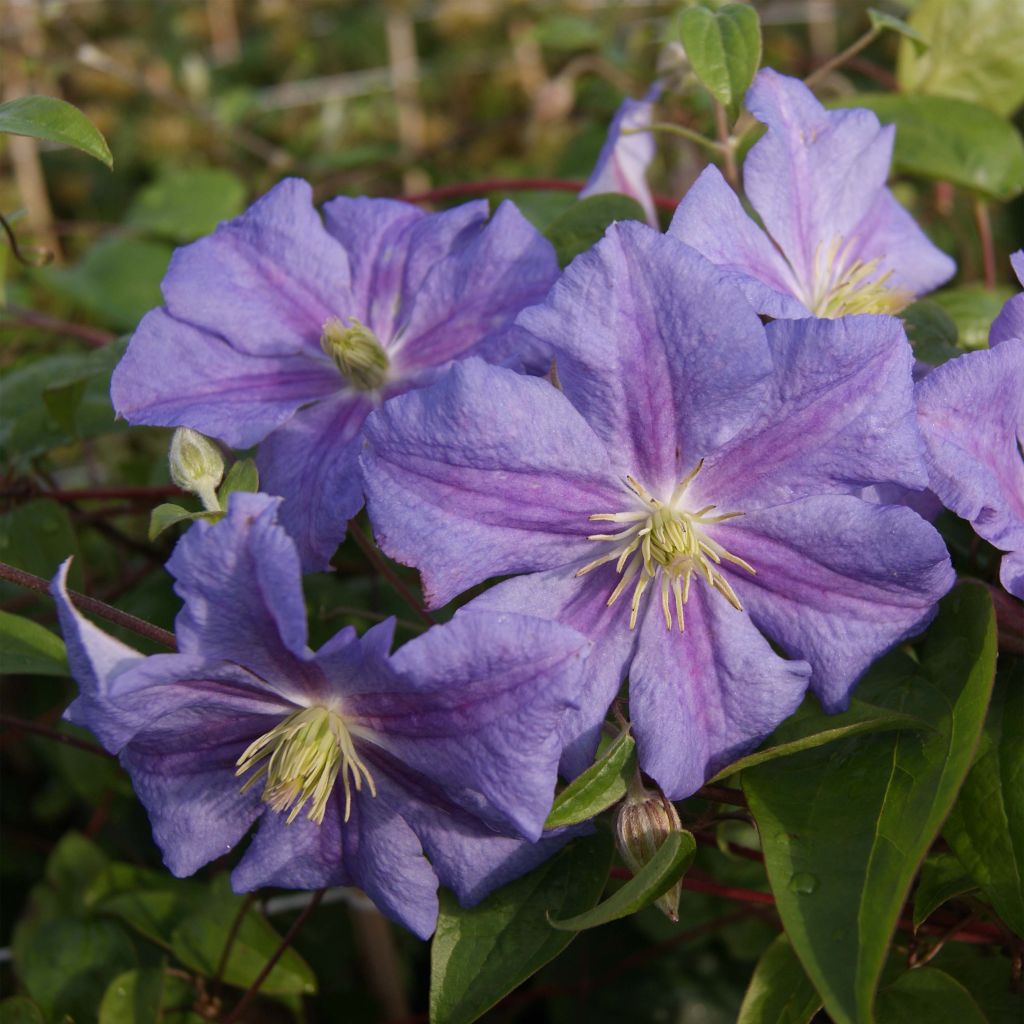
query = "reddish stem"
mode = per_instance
[
  {"x": 52, "y": 734},
  {"x": 95, "y": 336},
  {"x": 375, "y": 558},
  {"x": 988, "y": 250}
]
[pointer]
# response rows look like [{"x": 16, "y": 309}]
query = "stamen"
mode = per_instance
[
  {"x": 670, "y": 541},
  {"x": 302, "y": 757},
  {"x": 841, "y": 286},
  {"x": 357, "y": 352}
]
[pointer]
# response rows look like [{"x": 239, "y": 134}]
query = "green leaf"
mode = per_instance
[
  {"x": 988, "y": 978},
  {"x": 974, "y": 52},
  {"x": 671, "y": 861},
  {"x": 482, "y": 953},
  {"x": 927, "y": 994},
  {"x": 942, "y": 878},
  {"x": 844, "y": 827},
  {"x": 199, "y": 941},
  {"x": 45, "y": 117},
  {"x": 601, "y": 786},
  {"x": 724, "y": 49},
  {"x": 164, "y": 516},
  {"x": 134, "y": 997},
  {"x": 810, "y": 727},
  {"x": 37, "y": 537},
  {"x": 26, "y": 648},
  {"x": 973, "y": 308},
  {"x": 183, "y": 204},
  {"x": 880, "y": 20},
  {"x": 986, "y": 826},
  {"x": 242, "y": 476},
  {"x": 950, "y": 140},
  {"x": 20, "y": 1010},
  {"x": 585, "y": 222},
  {"x": 780, "y": 991},
  {"x": 932, "y": 332},
  {"x": 117, "y": 281}
]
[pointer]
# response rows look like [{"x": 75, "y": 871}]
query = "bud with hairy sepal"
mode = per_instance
[
  {"x": 197, "y": 466},
  {"x": 357, "y": 351},
  {"x": 645, "y": 820}
]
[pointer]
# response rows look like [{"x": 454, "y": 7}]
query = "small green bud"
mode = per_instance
[
  {"x": 197, "y": 466},
  {"x": 357, "y": 351},
  {"x": 645, "y": 820}
]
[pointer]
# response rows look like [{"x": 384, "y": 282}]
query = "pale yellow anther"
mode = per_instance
[
  {"x": 357, "y": 351},
  {"x": 842, "y": 286},
  {"x": 667, "y": 540},
  {"x": 302, "y": 757}
]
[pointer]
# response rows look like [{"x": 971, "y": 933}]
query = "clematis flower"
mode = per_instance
[
  {"x": 283, "y": 330},
  {"x": 835, "y": 240},
  {"x": 627, "y": 154},
  {"x": 354, "y": 762},
  {"x": 971, "y": 413},
  {"x": 1010, "y": 322},
  {"x": 690, "y": 497}
]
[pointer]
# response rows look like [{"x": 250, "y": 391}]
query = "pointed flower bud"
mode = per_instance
[
  {"x": 357, "y": 351},
  {"x": 645, "y": 820},
  {"x": 197, "y": 466}
]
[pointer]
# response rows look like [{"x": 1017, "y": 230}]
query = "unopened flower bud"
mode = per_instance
[
  {"x": 645, "y": 820},
  {"x": 197, "y": 466},
  {"x": 357, "y": 351}
]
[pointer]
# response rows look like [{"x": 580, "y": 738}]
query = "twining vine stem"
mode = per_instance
[{"x": 374, "y": 557}]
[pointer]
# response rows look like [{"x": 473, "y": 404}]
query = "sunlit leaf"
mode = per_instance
[
  {"x": 779, "y": 991},
  {"x": 26, "y": 648},
  {"x": 601, "y": 786},
  {"x": 46, "y": 117}
]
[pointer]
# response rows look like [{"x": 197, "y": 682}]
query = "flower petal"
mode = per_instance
[
  {"x": 839, "y": 581},
  {"x": 839, "y": 417},
  {"x": 702, "y": 697},
  {"x": 664, "y": 358},
  {"x": 710, "y": 218},
  {"x": 475, "y": 709},
  {"x": 1010, "y": 322},
  {"x": 174, "y": 374},
  {"x": 971, "y": 413},
  {"x": 484, "y": 473},
  {"x": 265, "y": 281},
  {"x": 313, "y": 463}
]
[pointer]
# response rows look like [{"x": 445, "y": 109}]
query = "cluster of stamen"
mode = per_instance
[
  {"x": 842, "y": 286},
  {"x": 301, "y": 758},
  {"x": 356, "y": 351},
  {"x": 666, "y": 540}
]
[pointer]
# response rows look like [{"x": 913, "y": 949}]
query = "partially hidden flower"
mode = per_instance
[
  {"x": 971, "y": 414},
  {"x": 835, "y": 240},
  {"x": 626, "y": 155},
  {"x": 690, "y": 496},
  {"x": 1010, "y": 322},
  {"x": 358, "y": 764},
  {"x": 283, "y": 329}
]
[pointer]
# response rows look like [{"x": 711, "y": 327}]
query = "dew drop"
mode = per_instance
[{"x": 803, "y": 882}]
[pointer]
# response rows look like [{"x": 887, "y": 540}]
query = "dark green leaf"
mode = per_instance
[
  {"x": 585, "y": 222},
  {"x": 974, "y": 52},
  {"x": 780, "y": 991},
  {"x": 844, "y": 827},
  {"x": 482, "y": 953},
  {"x": 972, "y": 308},
  {"x": 163, "y": 517},
  {"x": 950, "y": 140},
  {"x": 73, "y": 866},
  {"x": 931, "y": 330},
  {"x": 810, "y": 728},
  {"x": 134, "y": 997},
  {"x": 724, "y": 49},
  {"x": 942, "y": 878},
  {"x": 199, "y": 941},
  {"x": 880, "y": 20},
  {"x": 927, "y": 994},
  {"x": 242, "y": 476},
  {"x": 988, "y": 978},
  {"x": 184, "y": 204},
  {"x": 601, "y": 786},
  {"x": 671, "y": 861},
  {"x": 986, "y": 826},
  {"x": 63, "y": 402},
  {"x": 46, "y": 117},
  {"x": 20, "y": 1010},
  {"x": 26, "y": 648}
]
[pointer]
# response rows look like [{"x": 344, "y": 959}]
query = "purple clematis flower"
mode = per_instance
[
  {"x": 285, "y": 330},
  {"x": 624, "y": 158},
  {"x": 1010, "y": 322},
  {"x": 836, "y": 240},
  {"x": 971, "y": 413},
  {"x": 690, "y": 495},
  {"x": 355, "y": 762}
]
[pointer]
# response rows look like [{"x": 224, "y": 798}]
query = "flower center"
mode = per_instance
[
  {"x": 842, "y": 286},
  {"x": 302, "y": 757},
  {"x": 668, "y": 541},
  {"x": 357, "y": 352}
]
